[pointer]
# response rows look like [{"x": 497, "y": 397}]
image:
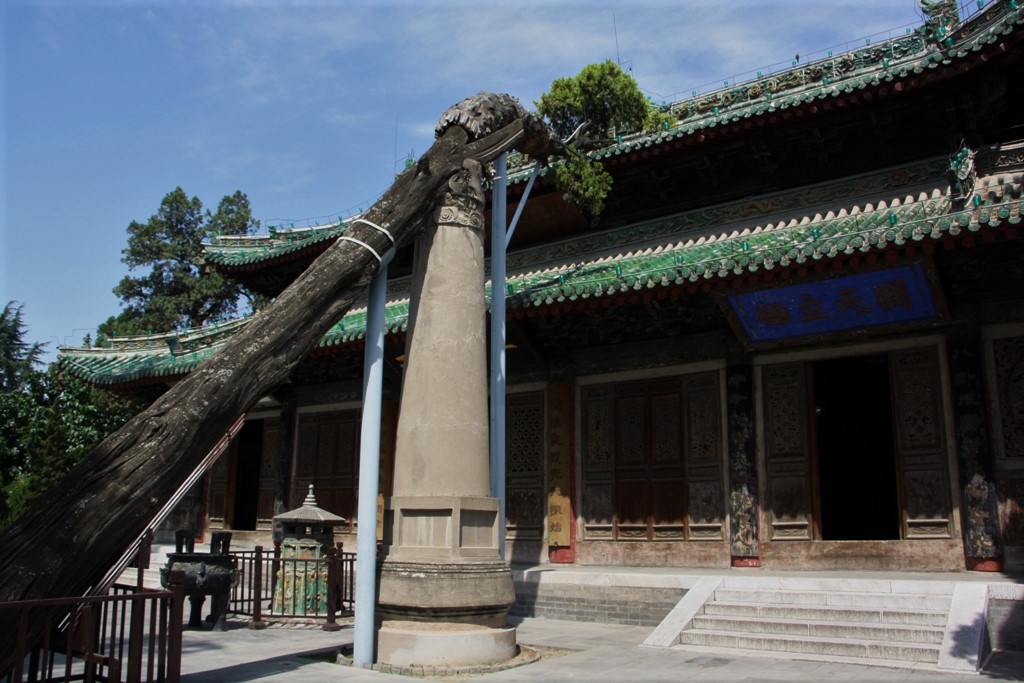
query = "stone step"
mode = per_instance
[
  {"x": 864, "y": 615},
  {"x": 865, "y": 649},
  {"x": 887, "y": 633},
  {"x": 911, "y": 601}
]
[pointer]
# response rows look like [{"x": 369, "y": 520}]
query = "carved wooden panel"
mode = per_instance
[
  {"x": 598, "y": 442},
  {"x": 268, "y": 475},
  {"x": 666, "y": 418},
  {"x": 633, "y": 496},
  {"x": 662, "y": 477},
  {"x": 598, "y": 510},
  {"x": 920, "y": 443},
  {"x": 524, "y": 462},
  {"x": 703, "y": 430},
  {"x": 597, "y": 428},
  {"x": 1008, "y": 355},
  {"x": 218, "y": 489},
  {"x": 787, "y": 452},
  {"x": 328, "y": 452},
  {"x": 668, "y": 499}
]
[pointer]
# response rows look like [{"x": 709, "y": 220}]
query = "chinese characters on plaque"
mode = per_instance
[{"x": 871, "y": 299}]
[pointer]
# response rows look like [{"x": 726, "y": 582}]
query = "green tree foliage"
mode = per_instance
[
  {"x": 602, "y": 98},
  {"x": 46, "y": 427},
  {"x": 175, "y": 288},
  {"x": 18, "y": 357},
  {"x": 48, "y": 419},
  {"x": 585, "y": 183},
  {"x": 602, "y": 101}
]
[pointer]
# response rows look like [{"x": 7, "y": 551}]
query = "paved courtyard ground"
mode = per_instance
[{"x": 596, "y": 652}]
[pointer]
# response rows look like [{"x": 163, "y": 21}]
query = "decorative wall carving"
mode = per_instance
[
  {"x": 1008, "y": 357},
  {"x": 742, "y": 473},
  {"x": 973, "y": 447},
  {"x": 978, "y": 539},
  {"x": 1009, "y": 371}
]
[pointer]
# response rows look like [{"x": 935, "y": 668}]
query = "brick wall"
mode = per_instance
[
  {"x": 1006, "y": 624},
  {"x": 598, "y": 604}
]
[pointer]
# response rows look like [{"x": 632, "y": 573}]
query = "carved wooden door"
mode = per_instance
[
  {"x": 920, "y": 435},
  {"x": 787, "y": 453},
  {"x": 633, "y": 495},
  {"x": 327, "y": 458},
  {"x": 597, "y": 452},
  {"x": 668, "y": 499},
  {"x": 268, "y": 475},
  {"x": 524, "y": 462},
  {"x": 702, "y": 431},
  {"x": 652, "y": 460},
  {"x": 218, "y": 478}
]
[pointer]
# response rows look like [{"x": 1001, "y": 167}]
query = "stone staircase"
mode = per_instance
[{"x": 920, "y": 624}]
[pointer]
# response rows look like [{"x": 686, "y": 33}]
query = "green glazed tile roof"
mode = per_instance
[
  {"x": 902, "y": 207},
  {"x": 833, "y": 77},
  {"x": 240, "y": 251}
]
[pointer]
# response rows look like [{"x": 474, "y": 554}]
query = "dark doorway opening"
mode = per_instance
[
  {"x": 247, "y": 476},
  {"x": 857, "y": 481}
]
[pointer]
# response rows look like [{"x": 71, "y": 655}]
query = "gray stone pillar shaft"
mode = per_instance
[
  {"x": 442, "y": 560},
  {"x": 442, "y": 442}
]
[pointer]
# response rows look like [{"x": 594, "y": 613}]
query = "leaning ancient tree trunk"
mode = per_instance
[{"x": 67, "y": 541}]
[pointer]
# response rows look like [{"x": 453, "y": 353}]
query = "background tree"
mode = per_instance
[
  {"x": 46, "y": 427},
  {"x": 48, "y": 419},
  {"x": 177, "y": 290},
  {"x": 18, "y": 357},
  {"x": 596, "y": 105}
]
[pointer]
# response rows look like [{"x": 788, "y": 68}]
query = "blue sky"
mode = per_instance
[{"x": 309, "y": 107}]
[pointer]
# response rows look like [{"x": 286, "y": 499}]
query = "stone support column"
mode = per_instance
[{"x": 442, "y": 562}]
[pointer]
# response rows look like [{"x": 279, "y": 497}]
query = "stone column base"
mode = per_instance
[
  {"x": 477, "y": 593},
  {"x": 405, "y": 643}
]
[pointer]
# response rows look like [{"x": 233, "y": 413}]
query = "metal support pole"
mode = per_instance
[
  {"x": 497, "y": 431},
  {"x": 522, "y": 203},
  {"x": 369, "y": 470}
]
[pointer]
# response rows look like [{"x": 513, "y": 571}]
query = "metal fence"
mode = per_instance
[
  {"x": 132, "y": 634},
  {"x": 271, "y": 587}
]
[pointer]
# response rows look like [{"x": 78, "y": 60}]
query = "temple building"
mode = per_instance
[{"x": 794, "y": 339}]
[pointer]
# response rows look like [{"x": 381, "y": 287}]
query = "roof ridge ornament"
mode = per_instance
[
  {"x": 942, "y": 17},
  {"x": 963, "y": 174}
]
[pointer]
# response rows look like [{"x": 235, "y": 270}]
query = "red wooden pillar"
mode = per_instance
[{"x": 561, "y": 473}]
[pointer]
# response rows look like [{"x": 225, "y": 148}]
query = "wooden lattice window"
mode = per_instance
[{"x": 652, "y": 459}]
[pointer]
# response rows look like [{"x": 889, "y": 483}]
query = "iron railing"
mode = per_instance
[
  {"x": 271, "y": 587},
  {"x": 133, "y": 634}
]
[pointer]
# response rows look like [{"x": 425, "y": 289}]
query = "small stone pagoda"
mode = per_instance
[{"x": 305, "y": 533}]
